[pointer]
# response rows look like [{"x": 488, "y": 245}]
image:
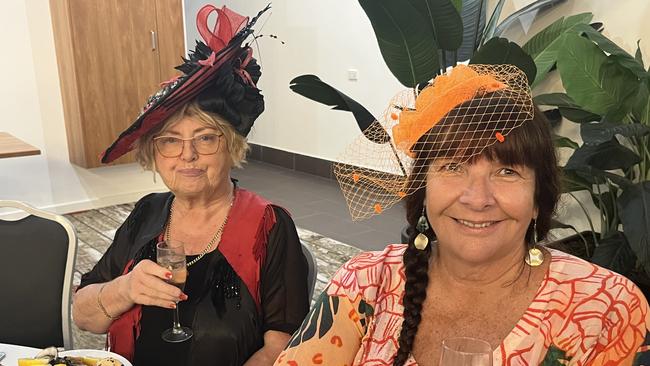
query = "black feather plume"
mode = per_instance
[{"x": 310, "y": 86}]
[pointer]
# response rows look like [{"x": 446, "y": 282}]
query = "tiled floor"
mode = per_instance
[{"x": 317, "y": 204}]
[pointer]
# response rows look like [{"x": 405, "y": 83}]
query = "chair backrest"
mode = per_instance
[
  {"x": 313, "y": 269},
  {"x": 38, "y": 256}
]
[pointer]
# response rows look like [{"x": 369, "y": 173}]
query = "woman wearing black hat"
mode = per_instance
[{"x": 246, "y": 288}]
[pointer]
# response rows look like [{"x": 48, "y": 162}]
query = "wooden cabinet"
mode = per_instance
[{"x": 112, "y": 54}]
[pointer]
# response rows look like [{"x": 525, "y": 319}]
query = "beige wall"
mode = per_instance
[{"x": 31, "y": 109}]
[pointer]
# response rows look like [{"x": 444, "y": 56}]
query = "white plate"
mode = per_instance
[{"x": 97, "y": 353}]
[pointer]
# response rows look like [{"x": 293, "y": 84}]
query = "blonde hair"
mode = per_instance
[{"x": 236, "y": 143}]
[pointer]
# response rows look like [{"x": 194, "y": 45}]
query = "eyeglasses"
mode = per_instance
[{"x": 172, "y": 147}]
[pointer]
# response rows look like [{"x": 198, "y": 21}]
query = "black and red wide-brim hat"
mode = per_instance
[{"x": 210, "y": 72}]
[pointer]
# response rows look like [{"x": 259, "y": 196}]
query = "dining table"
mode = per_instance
[
  {"x": 11, "y": 353},
  {"x": 14, "y": 352},
  {"x": 11, "y": 147}
]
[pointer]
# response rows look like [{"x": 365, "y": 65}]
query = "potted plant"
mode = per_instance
[{"x": 607, "y": 93}]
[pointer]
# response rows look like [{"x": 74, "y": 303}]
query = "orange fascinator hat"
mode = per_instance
[
  {"x": 461, "y": 84},
  {"x": 457, "y": 116}
]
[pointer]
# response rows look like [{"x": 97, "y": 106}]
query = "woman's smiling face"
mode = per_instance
[
  {"x": 480, "y": 210},
  {"x": 192, "y": 173}
]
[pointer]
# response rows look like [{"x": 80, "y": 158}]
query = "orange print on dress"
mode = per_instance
[
  {"x": 317, "y": 359},
  {"x": 336, "y": 340}
]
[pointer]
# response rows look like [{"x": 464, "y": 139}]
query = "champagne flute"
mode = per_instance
[
  {"x": 465, "y": 351},
  {"x": 171, "y": 255}
]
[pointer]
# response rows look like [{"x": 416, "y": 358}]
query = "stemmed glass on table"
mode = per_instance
[
  {"x": 465, "y": 351},
  {"x": 171, "y": 255}
]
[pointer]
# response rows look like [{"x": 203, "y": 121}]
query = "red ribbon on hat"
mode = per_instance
[{"x": 228, "y": 24}]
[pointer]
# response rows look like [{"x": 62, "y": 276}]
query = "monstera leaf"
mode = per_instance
[
  {"x": 310, "y": 86},
  {"x": 594, "y": 82},
  {"x": 634, "y": 209},
  {"x": 405, "y": 40},
  {"x": 501, "y": 51}
]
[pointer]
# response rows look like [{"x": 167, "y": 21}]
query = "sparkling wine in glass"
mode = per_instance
[
  {"x": 465, "y": 351},
  {"x": 171, "y": 255}
]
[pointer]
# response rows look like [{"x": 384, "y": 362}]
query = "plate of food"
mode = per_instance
[{"x": 77, "y": 357}]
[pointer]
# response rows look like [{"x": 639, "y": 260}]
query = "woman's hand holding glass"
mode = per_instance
[
  {"x": 147, "y": 284},
  {"x": 170, "y": 254}
]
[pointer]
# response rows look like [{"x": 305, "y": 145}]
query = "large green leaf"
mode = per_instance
[
  {"x": 488, "y": 33},
  {"x": 634, "y": 209},
  {"x": 638, "y": 56},
  {"x": 599, "y": 132},
  {"x": 579, "y": 115},
  {"x": 598, "y": 176},
  {"x": 605, "y": 201},
  {"x": 541, "y": 41},
  {"x": 405, "y": 40},
  {"x": 444, "y": 22},
  {"x": 553, "y": 116},
  {"x": 641, "y": 109},
  {"x": 472, "y": 14},
  {"x": 310, "y": 86},
  {"x": 568, "y": 108},
  {"x": 614, "y": 252},
  {"x": 596, "y": 84},
  {"x": 501, "y": 51},
  {"x": 606, "y": 156},
  {"x": 555, "y": 99},
  {"x": 545, "y": 45},
  {"x": 532, "y": 8},
  {"x": 561, "y": 141},
  {"x": 617, "y": 53},
  {"x": 574, "y": 182}
]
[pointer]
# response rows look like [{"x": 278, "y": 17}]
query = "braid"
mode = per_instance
[{"x": 416, "y": 268}]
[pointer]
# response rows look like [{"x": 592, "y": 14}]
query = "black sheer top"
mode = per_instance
[{"x": 228, "y": 328}]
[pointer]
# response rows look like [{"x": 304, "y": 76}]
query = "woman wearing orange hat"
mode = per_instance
[{"x": 475, "y": 162}]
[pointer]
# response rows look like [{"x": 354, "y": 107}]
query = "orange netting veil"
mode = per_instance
[{"x": 456, "y": 117}]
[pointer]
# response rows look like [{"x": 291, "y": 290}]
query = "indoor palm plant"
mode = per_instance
[{"x": 607, "y": 93}]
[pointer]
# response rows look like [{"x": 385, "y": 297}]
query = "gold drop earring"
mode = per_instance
[
  {"x": 421, "y": 240},
  {"x": 535, "y": 256}
]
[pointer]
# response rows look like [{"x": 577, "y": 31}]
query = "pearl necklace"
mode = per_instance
[{"x": 216, "y": 236}]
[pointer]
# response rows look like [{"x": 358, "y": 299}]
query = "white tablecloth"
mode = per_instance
[{"x": 15, "y": 352}]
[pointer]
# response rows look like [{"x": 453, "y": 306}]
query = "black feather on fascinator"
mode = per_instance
[{"x": 220, "y": 74}]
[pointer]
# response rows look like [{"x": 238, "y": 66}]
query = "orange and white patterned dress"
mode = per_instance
[{"x": 582, "y": 314}]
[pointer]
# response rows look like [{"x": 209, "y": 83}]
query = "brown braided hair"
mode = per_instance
[{"x": 531, "y": 145}]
